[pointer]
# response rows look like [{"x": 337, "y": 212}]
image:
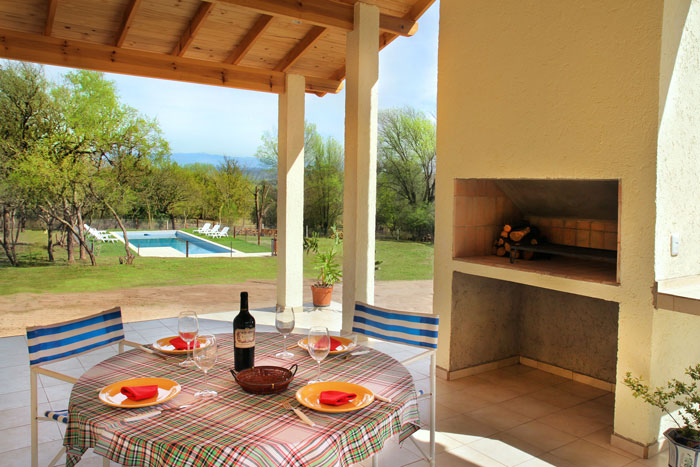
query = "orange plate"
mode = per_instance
[
  {"x": 164, "y": 345},
  {"x": 309, "y": 395},
  {"x": 348, "y": 345},
  {"x": 111, "y": 395}
]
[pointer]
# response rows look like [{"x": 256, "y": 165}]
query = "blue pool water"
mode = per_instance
[{"x": 173, "y": 239}]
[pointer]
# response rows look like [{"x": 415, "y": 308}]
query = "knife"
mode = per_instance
[
  {"x": 153, "y": 352},
  {"x": 354, "y": 354},
  {"x": 153, "y": 413}
]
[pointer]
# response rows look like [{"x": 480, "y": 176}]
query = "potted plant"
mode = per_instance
[
  {"x": 684, "y": 448},
  {"x": 328, "y": 273}
]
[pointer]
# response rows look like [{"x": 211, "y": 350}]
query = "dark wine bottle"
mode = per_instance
[{"x": 244, "y": 337}]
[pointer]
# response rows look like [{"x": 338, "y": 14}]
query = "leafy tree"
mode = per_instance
[
  {"x": 261, "y": 199},
  {"x": 231, "y": 193},
  {"x": 323, "y": 184}
]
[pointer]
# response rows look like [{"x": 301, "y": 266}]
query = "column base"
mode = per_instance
[{"x": 634, "y": 447}]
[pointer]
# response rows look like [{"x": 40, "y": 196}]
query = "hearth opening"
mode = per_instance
[{"x": 561, "y": 227}]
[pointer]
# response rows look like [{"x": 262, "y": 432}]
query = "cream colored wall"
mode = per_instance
[
  {"x": 678, "y": 179},
  {"x": 556, "y": 89}
]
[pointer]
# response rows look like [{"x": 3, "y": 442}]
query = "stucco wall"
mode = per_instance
[
  {"x": 678, "y": 180},
  {"x": 568, "y": 331},
  {"x": 556, "y": 89}
]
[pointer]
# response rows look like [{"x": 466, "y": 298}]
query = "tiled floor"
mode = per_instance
[{"x": 512, "y": 416}]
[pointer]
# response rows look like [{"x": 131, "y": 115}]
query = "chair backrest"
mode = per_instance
[
  {"x": 224, "y": 231},
  {"x": 215, "y": 228},
  {"x": 416, "y": 329},
  {"x": 206, "y": 226},
  {"x": 59, "y": 341}
]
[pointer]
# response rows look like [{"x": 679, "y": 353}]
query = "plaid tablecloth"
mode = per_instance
[{"x": 238, "y": 428}]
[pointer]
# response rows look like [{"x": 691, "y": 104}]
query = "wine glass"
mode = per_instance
[
  {"x": 188, "y": 328},
  {"x": 284, "y": 322},
  {"x": 205, "y": 358},
  {"x": 319, "y": 344}
]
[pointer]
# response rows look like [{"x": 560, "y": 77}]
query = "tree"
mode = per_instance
[
  {"x": 25, "y": 108},
  {"x": 232, "y": 188},
  {"x": 261, "y": 199},
  {"x": 406, "y": 171},
  {"x": 323, "y": 184}
]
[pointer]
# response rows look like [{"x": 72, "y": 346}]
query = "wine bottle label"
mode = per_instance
[{"x": 245, "y": 338}]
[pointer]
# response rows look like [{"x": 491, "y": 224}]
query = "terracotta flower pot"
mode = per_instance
[
  {"x": 321, "y": 295},
  {"x": 680, "y": 454}
]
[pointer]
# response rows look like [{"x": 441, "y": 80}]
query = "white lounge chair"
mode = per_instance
[
  {"x": 103, "y": 237},
  {"x": 222, "y": 233},
  {"x": 204, "y": 229},
  {"x": 213, "y": 230}
]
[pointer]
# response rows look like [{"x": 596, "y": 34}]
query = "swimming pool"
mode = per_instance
[{"x": 166, "y": 243}]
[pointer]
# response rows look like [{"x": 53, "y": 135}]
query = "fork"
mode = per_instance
[{"x": 299, "y": 413}]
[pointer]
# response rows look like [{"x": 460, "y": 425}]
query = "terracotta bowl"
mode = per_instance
[{"x": 265, "y": 379}]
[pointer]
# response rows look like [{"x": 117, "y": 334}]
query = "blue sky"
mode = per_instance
[{"x": 199, "y": 118}]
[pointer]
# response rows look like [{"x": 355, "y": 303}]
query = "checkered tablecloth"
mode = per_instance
[{"x": 238, "y": 428}]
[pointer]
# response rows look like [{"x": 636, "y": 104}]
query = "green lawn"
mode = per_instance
[
  {"x": 241, "y": 243},
  {"x": 401, "y": 261}
]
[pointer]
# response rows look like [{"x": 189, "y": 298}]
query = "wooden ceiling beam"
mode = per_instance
[
  {"x": 323, "y": 13},
  {"x": 128, "y": 17},
  {"x": 302, "y": 46},
  {"x": 50, "y": 16},
  {"x": 257, "y": 30},
  {"x": 78, "y": 54},
  {"x": 185, "y": 41}
]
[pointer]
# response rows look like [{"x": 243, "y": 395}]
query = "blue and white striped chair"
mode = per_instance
[
  {"x": 402, "y": 327},
  {"x": 56, "y": 342}
]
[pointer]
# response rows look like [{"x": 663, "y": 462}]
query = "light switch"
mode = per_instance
[{"x": 675, "y": 244}]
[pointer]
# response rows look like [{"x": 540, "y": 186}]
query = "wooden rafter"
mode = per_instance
[
  {"x": 323, "y": 13},
  {"x": 185, "y": 41},
  {"x": 128, "y": 17},
  {"x": 50, "y": 16},
  {"x": 302, "y": 46},
  {"x": 78, "y": 54},
  {"x": 257, "y": 30}
]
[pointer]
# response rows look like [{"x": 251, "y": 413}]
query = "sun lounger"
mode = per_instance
[
  {"x": 204, "y": 229},
  {"x": 213, "y": 230},
  {"x": 222, "y": 233}
]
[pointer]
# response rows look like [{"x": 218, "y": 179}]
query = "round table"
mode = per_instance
[{"x": 238, "y": 428}]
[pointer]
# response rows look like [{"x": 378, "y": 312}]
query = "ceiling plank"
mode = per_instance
[
  {"x": 129, "y": 14},
  {"x": 302, "y": 46},
  {"x": 323, "y": 13},
  {"x": 257, "y": 30},
  {"x": 50, "y": 16},
  {"x": 185, "y": 41},
  {"x": 78, "y": 54}
]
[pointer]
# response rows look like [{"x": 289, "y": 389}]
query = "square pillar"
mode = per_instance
[
  {"x": 359, "y": 198},
  {"x": 290, "y": 194}
]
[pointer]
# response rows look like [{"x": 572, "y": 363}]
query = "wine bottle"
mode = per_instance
[{"x": 243, "y": 337}]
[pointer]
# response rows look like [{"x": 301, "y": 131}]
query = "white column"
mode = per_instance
[
  {"x": 359, "y": 202},
  {"x": 290, "y": 194}
]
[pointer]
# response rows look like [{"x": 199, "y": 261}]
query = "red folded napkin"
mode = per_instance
[
  {"x": 336, "y": 397},
  {"x": 179, "y": 344},
  {"x": 137, "y": 393},
  {"x": 335, "y": 343}
]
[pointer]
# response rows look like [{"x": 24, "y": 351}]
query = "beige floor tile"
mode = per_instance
[
  {"x": 501, "y": 451},
  {"x": 462, "y": 402},
  {"x": 395, "y": 454},
  {"x": 558, "y": 397},
  {"x": 572, "y": 422},
  {"x": 442, "y": 412},
  {"x": 499, "y": 417},
  {"x": 545, "y": 378},
  {"x": 58, "y": 392},
  {"x": 555, "y": 461},
  {"x": 529, "y": 406},
  {"x": 582, "y": 390},
  {"x": 537, "y": 462},
  {"x": 541, "y": 435},
  {"x": 659, "y": 460},
  {"x": 592, "y": 410},
  {"x": 442, "y": 441},
  {"x": 19, "y": 416},
  {"x": 607, "y": 400},
  {"x": 492, "y": 393},
  {"x": 23, "y": 457},
  {"x": 584, "y": 453},
  {"x": 20, "y": 399},
  {"x": 602, "y": 439},
  {"x": 465, "y": 429},
  {"x": 465, "y": 457},
  {"x": 19, "y": 437},
  {"x": 517, "y": 369}
]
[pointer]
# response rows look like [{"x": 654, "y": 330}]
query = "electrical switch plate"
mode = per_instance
[{"x": 675, "y": 244}]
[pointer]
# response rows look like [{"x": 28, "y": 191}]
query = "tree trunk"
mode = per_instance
[
  {"x": 129, "y": 254},
  {"x": 69, "y": 246},
  {"x": 172, "y": 221},
  {"x": 49, "y": 240},
  {"x": 7, "y": 243}
]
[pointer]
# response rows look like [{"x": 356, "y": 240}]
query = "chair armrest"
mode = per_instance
[
  {"x": 54, "y": 374},
  {"x": 132, "y": 344}
]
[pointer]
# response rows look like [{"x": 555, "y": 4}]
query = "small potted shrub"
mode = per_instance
[
  {"x": 684, "y": 447},
  {"x": 328, "y": 273}
]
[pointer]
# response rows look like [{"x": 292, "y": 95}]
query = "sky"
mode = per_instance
[{"x": 199, "y": 118}]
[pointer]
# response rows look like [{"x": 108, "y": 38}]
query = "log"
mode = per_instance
[
  {"x": 507, "y": 228},
  {"x": 517, "y": 235},
  {"x": 500, "y": 242},
  {"x": 507, "y": 247},
  {"x": 500, "y": 251},
  {"x": 504, "y": 234}
]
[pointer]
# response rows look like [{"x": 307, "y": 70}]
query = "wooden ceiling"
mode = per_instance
[{"x": 248, "y": 44}]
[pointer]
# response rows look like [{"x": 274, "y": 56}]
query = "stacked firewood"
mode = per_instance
[{"x": 521, "y": 234}]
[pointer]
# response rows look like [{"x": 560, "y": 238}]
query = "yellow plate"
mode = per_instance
[
  {"x": 309, "y": 396},
  {"x": 164, "y": 345},
  {"x": 111, "y": 395},
  {"x": 348, "y": 345}
]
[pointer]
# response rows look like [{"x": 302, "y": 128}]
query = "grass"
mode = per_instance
[
  {"x": 241, "y": 243},
  {"x": 401, "y": 261}
]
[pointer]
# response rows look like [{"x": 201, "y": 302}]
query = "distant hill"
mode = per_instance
[{"x": 246, "y": 162}]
